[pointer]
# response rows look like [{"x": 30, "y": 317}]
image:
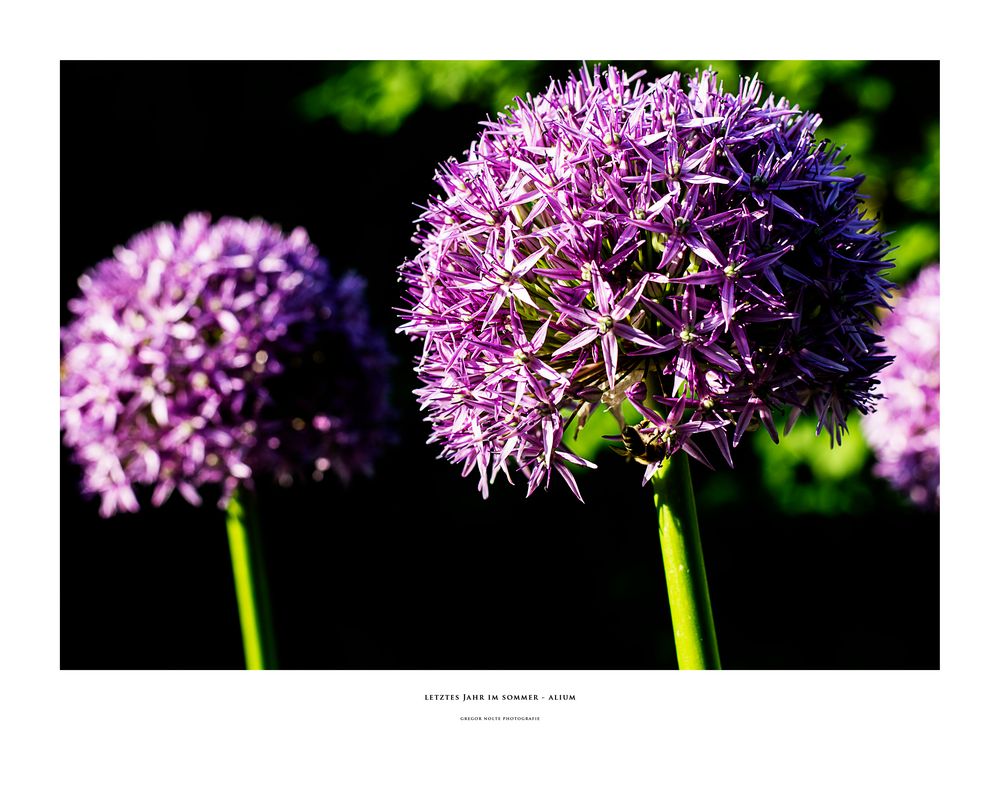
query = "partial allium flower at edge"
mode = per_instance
[
  {"x": 610, "y": 232},
  {"x": 211, "y": 353},
  {"x": 905, "y": 430}
]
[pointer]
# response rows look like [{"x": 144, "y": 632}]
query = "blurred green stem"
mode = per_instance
[
  {"x": 251, "y": 583},
  {"x": 687, "y": 585}
]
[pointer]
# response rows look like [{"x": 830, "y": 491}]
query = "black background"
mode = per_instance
[{"x": 412, "y": 569}]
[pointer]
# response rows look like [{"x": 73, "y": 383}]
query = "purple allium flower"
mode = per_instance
[
  {"x": 207, "y": 354},
  {"x": 905, "y": 430},
  {"x": 611, "y": 231}
]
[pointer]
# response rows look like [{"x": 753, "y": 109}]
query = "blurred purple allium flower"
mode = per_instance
[
  {"x": 609, "y": 232},
  {"x": 905, "y": 430},
  {"x": 208, "y": 354}
]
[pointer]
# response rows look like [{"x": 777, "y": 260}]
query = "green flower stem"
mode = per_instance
[
  {"x": 687, "y": 586},
  {"x": 251, "y": 583}
]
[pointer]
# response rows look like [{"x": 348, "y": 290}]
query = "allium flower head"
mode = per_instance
[
  {"x": 210, "y": 353},
  {"x": 905, "y": 430},
  {"x": 611, "y": 231}
]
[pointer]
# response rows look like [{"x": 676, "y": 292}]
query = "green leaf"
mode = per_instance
[
  {"x": 918, "y": 245},
  {"x": 804, "y": 475}
]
